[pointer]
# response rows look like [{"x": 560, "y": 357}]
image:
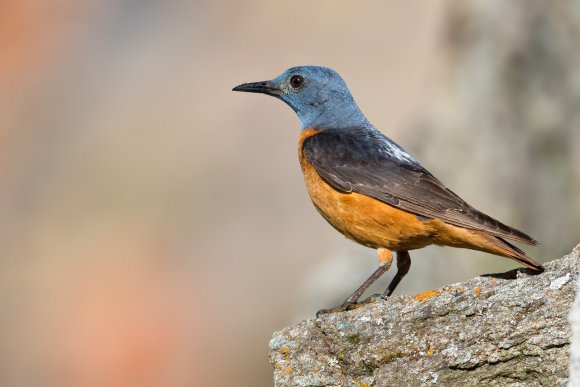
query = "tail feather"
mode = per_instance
[
  {"x": 510, "y": 246},
  {"x": 454, "y": 236},
  {"x": 511, "y": 251}
]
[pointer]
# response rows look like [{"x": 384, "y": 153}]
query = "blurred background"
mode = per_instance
[{"x": 155, "y": 229}]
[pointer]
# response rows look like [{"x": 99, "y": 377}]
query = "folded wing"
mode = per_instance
[{"x": 367, "y": 162}]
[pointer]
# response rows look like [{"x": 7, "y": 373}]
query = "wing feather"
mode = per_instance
[{"x": 367, "y": 162}]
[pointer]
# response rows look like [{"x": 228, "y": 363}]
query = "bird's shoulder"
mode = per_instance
[{"x": 356, "y": 147}]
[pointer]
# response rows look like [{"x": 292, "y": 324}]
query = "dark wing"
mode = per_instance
[{"x": 367, "y": 162}]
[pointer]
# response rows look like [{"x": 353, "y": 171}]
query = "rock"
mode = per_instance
[
  {"x": 575, "y": 347},
  {"x": 509, "y": 328}
]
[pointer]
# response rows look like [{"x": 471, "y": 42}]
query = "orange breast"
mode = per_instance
[{"x": 362, "y": 218}]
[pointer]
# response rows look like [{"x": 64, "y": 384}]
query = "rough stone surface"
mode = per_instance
[
  {"x": 510, "y": 328},
  {"x": 574, "y": 317}
]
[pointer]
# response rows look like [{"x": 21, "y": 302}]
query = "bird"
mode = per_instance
[{"x": 373, "y": 191}]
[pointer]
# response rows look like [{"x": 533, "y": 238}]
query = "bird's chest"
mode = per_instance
[{"x": 332, "y": 205}]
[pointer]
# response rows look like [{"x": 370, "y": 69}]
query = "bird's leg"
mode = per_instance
[
  {"x": 403, "y": 265},
  {"x": 385, "y": 259}
]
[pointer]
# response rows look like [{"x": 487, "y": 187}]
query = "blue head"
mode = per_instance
[{"x": 317, "y": 94}]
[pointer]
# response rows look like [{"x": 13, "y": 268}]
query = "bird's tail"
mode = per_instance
[
  {"x": 517, "y": 254},
  {"x": 482, "y": 241},
  {"x": 498, "y": 245}
]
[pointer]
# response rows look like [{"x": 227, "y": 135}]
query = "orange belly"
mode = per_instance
[{"x": 364, "y": 219}]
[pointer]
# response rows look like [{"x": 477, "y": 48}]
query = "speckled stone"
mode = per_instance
[
  {"x": 485, "y": 331},
  {"x": 574, "y": 318}
]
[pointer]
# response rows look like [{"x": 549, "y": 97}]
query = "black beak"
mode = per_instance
[{"x": 264, "y": 87}]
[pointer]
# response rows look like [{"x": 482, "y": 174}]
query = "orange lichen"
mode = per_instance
[
  {"x": 284, "y": 369},
  {"x": 492, "y": 281},
  {"x": 429, "y": 351},
  {"x": 427, "y": 295},
  {"x": 477, "y": 290}
]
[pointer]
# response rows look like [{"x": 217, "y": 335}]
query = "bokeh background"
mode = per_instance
[{"x": 154, "y": 225}]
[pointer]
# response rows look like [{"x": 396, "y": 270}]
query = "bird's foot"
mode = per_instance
[
  {"x": 341, "y": 308},
  {"x": 348, "y": 305},
  {"x": 374, "y": 298}
]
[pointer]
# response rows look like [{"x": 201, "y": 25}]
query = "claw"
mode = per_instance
[
  {"x": 341, "y": 308},
  {"x": 352, "y": 305}
]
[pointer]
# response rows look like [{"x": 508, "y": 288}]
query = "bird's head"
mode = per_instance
[{"x": 317, "y": 94}]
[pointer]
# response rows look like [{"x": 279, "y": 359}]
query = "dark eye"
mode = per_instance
[{"x": 296, "y": 81}]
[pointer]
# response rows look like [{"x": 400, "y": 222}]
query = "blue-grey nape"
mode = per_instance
[{"x": 318, "y": 95}]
